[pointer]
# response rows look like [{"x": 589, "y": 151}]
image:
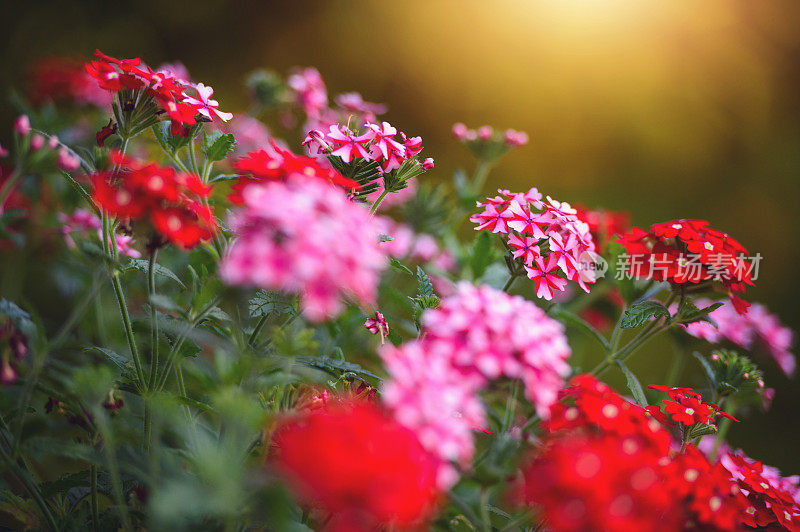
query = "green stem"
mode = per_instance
[
  {"x": 378, "y": 201},
  {"x": 95, "y": 509},
  {"x": 193, "y": 158},
  {"x": 151, "y": 291},
  {"x": 724, "y": 427},
  {"x": 258, "y": 329},
  {"x": 481, "y": 173},
  {"x": 509, "y": 283},
  {"x": 126, "y": 322}
]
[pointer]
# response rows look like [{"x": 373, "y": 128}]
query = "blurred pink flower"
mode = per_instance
[{"x": 290, "y": 237}]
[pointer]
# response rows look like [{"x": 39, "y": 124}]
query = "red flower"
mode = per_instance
[
  {"x": 367, "y": 471},
  {"x": 688, "y": 251},
  {"x": 169, "y": 202},
  {"x": 686, "y": 407},
  {"x": 604, "y": 224},
  {"x": 278, "y": 165}
]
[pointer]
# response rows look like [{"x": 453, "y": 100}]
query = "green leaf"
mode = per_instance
[
  {"x": 702, "y": 429},
  {"x": 574, "y": 320},
  {"x": 424, "y": 286},
  {"x": 641, "y": 312},
  {"x": 707, "y": 369},
  {"x": 265, "y": 303},
  {"x": 121, "y": 361},
  {"x": 689, "y": 313},
  {"x": 626, "y": 286},
  {"x": 633, "y": 384},
  {"x": 397, "y": 265},
  {"x": 162, "y": 301},
  {"x": 395, "y": 338},
  {"x": 335, "y": 365},
  {"x": 482, "y": 254},
  {"x": 216, "y": 145},
  {"x": 144, "y": 265},
  {"x": 223, "y": 177},
  {"x": 19, "y": 317}
]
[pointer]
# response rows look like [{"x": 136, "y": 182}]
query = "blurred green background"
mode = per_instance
[{"x": 665, "y": 109}]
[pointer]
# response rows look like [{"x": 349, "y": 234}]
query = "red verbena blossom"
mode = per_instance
[
  {"x": 773, "y": 501},
  {"x": 554, "y": 244},
  {"x": 169, "y": 202},
  {"x": 64, "y": 79},
  {"x": 177, "y": 98},
  {"x": 278, "y": 164},
  {"x": 689, "y": 251},
  {"x": 604, "y": 224},
  {"x": 685, "y": 406},
  {"x": 368, "y": 471}
]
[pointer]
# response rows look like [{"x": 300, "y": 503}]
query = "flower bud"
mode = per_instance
[
  {"x": 427, "y": 164},
  {"x": 459, "y": 131},
  {"x": 485, "y": 132},
  {"x": 37, "y": 142},
  {"x": 53, "y": 142},
  {"x": 66, "y": 161},
  {"x": 22, "y": 126}
]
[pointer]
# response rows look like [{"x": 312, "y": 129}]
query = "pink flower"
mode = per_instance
[
  {"x": 67, "y": 161},
  {"x": 384, "y": 147},
  {"x": 515, "y": 138},
  {"x": 205, "y": 105},
  {"x": 545, "y": 281},
  {"x": 427, "y": 164},
  {"x": 757, "y": 328},
  {"x": 124, "y": 245},
  {"x": 291, "y": 236},
  {"x": 352, "y": 102},
  {"x": 309, "y": 91},
  {"x": 413, "y": 146},
  {"x": 37, "y": 142},
  {"x": 525, "y": 248},
  {"x": 485, "y": 132},
  {"x": 22, "y": 126},
  {"x": 476, "y": 335},
  {"x": 348, "y": 146},
  {"x": 53, "y": 142},
  {"x": 3, "y": 152},
  {"x": 493, "y": 219},
  {"x": 523, "y": 221},
  {"x": 377, "y": 325},
  {"x": 459, "y": 131}
]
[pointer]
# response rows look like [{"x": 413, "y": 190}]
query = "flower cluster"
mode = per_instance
[
  {"x": 604, "y": 224},
  {"x": 685, "y": 406},
  {"x": 757, "y": 328},
  {"x": 486, "y": 134},
  {"x": 171, "y": 203},
  {"x": 377, "y": 143},
  {"x": 546, "y": 236},
  {"x": 605, "y": 464},
  {"x": 773, "y": 501},
  {"x": 368, "y": 471},
  {"x": 290, "y": 237},
  {"x": 178, "y": 98},
  {"x": 476, "y": 335},
  {"x": 714, "y": 256},
  {"x": 64, "y": 79},
  {"x": 278, "y": 164},
  {"x": 377, "y": 325},
  {"x": 309, "y": 92},
  {"x": 84, "y": 222}
]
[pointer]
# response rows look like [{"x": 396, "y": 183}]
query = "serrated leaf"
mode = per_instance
[
  {"x": 144, "y": 265},
  {"x": 481, "y": 255},
  {"x": 633, "y": 385},
  {"x": 424, "y": 286},
  {"x": 121, "y": 361},
  {"x": 216, "y": 145},
  {"x": 264, "y": 303},
  {"x": 641, "y": 312},
  {"x": 223, "y": 177},
  {"x": 702, "y": 429},
  {"x": 689, "y": 313}
]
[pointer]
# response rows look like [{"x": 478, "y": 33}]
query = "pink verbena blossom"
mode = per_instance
[
  {"x": 476, "y": 335},
  {"x": 377, "y": 325},
  {"x": 757, "y": 328},
  {"x": 532, "y": 226},
  {"x": 290, "y": 237},
  {"x": 205, "y": 105},
  {"x": 84, "y": 222},
  {"x": 309, "y": 91}
]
